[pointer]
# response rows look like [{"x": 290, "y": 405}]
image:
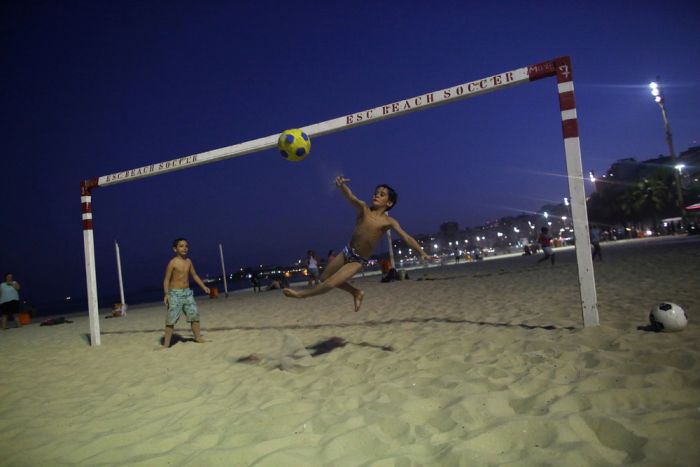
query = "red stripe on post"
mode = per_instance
[
  {"x": 567, "y": 101},
  {"x": 86, "y": 186},
  {"x": 570, "y": 128},
  {"x": 541, "y": 70},
  {"x": 563, "y": 69}
]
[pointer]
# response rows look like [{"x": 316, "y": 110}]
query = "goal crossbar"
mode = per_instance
[
  {"x": 559, "y": 67},
  {"x": 364, "y": 117}
]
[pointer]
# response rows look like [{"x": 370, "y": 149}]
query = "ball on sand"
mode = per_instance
[
  {"x": 294, "y": 145},
  {"x": 668, "y": 317}
]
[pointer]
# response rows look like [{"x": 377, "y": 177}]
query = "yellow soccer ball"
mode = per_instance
[{"x": 294, "y": 145}]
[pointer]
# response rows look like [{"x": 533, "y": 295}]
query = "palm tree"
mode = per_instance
[{"x": 650, "y": 199}]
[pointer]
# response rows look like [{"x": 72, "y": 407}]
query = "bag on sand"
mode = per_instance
[
  {"x": 392, "y": 275},
  {"x": 54, "y": 321}
]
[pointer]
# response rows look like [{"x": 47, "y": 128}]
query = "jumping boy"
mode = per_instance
[
  {"x": 371, "y": 223},
  {"x": 178, "y": 296}
]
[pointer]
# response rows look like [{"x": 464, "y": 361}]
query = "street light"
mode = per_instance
[
  {"x": 569, "y": 211},
  {"x": 659, "y": 99}
]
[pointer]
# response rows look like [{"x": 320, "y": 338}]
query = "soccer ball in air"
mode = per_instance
[
  {"x": 294, "y": 145},
  {"x": 668, "y": 317}
]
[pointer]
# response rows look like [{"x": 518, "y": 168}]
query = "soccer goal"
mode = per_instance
[{"x": 559, "y": 67}]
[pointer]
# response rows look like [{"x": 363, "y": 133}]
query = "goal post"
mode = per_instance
[{"x": 559, "y": 67}]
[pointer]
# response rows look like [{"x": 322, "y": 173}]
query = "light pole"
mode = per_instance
[{"x": 659, "y": 98}]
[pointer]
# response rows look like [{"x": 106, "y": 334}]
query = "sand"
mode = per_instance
[{"x": 475, "y": 364}]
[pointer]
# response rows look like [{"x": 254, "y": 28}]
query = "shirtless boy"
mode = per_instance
[
  {"x": 178, "y": 296},
  {"x": 371, "y": 223}
]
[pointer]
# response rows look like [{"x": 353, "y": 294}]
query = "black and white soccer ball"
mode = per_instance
[{"x": 668, "y": 317}]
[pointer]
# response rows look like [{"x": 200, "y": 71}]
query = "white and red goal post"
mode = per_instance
[{"x": 559, "y": 67}]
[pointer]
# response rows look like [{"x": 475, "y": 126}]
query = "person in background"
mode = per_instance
[
  {"x": 9, "y": 300},
  {"x": 255, "y": 281},
  {"x": 595, "y": 242},
  {"x": 312, "y": 267},
  {"x": 545, "y": 242}
]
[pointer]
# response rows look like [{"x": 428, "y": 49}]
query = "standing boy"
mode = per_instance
[
  {"x": 178, "y": 296},
  {"x": 370, "y": 225}
]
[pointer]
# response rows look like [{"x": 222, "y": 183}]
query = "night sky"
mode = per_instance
[{"x": 91, "y": 88}]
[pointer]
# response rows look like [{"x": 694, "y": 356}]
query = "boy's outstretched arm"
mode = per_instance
[
  {"x": 340, "y": 182},
  {"x": 196, "y": 278},
  {"x": 410, "y": 241}
]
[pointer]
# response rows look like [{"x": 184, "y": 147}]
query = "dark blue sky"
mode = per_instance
[{"x": 91, "y": 88}]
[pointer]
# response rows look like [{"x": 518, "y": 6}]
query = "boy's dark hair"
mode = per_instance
[
  {"x": 393, "y": 196},
  {"x": 178, "y": 240},
  {"x": 544, "y": 230}
]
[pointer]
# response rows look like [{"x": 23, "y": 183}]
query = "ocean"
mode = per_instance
[{"x": 78, "y": 305}]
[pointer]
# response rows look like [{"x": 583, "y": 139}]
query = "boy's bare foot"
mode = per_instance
[
  {"x": 291, "y": 293},
  {"x": 358, "y": 299},
  {"x": 199, "y": 340}
]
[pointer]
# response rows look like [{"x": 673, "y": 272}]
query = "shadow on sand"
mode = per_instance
[
  {"x": 320, "y": 348},
  {"x": 371, "y": 323},
  {"x": 176, "y": 339}
]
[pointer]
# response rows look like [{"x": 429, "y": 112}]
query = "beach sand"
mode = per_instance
[{"x": 476, "y": 364}]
